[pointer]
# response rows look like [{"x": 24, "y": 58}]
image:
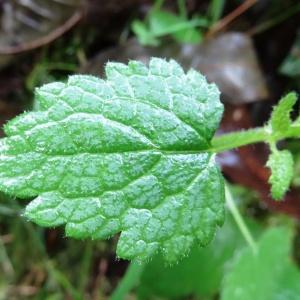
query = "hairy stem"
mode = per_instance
[{"x": 237, "y": 139}]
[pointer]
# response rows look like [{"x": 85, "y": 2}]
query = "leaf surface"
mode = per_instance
[
  {"x": 281, "y": 164},
  {"x": 127, "y": 154},
  {"x": 183, "y": 30},
  {"x": 280, "y": 118},
  {"x": 268, "y": 274}
]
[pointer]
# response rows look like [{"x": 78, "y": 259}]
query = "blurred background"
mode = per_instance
[{"x": 251, "y": 49}]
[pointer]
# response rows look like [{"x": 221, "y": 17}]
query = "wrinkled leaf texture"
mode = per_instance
[{"x": 123, "y": 155}]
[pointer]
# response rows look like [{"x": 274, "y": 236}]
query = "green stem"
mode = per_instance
[
  {"x": 182, "y": 9},
  {"x": 242, "y": 138},
  {"x": 239, "y": 220},
  {"x": 237, "y": 139},
  {"x": 129, "y": 281}
]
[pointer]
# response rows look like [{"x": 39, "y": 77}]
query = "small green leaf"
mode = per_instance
[
  {"x": 280, "y": 118},
  {"x": 282, "y": 167},
  {"x": 188, "y": 36},
  {"x": 143, "y": 34},
  {"x": 163, "y": 23},
  {"x": 268, "y": 274},
  {"x": 160, "y": 22},
  {"x": 127, "y": 154}
]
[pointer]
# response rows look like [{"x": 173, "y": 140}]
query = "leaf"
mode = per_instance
[
  {"x": 144, "y": 36},
  {"x": 160, "y": 22},
  {"x": 268, "y": 274},
  {"x": 198, "y": 274},
  {"x": 280, "y": 118},
  {"x": 188, "y": 36},
  {"x": 163, "y": 23},
  {"x": 127, "y": 155},
  {"x": 281, "y": 164}
]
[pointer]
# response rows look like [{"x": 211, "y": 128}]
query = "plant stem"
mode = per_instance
[
  {"x": 239, "y": 220},
  {"x": 237, "y": 139},
  {"x": 129, "y": 280},
  {"x": 182, "y": 9}
]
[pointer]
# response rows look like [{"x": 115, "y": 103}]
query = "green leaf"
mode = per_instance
[
  {"x": 188, "y": 36},
  {"x": 198, "y": 274},
  {"x": 144, "y": 36},
  {"x": 280, "y": 118},
  {"x": 163, "y": 23},
  {"x": 268, "y": 274},
  {"x": 127, "y": 154},
  {"x": 160, "y": 23},
  {"x": 281, "y": 164}
]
